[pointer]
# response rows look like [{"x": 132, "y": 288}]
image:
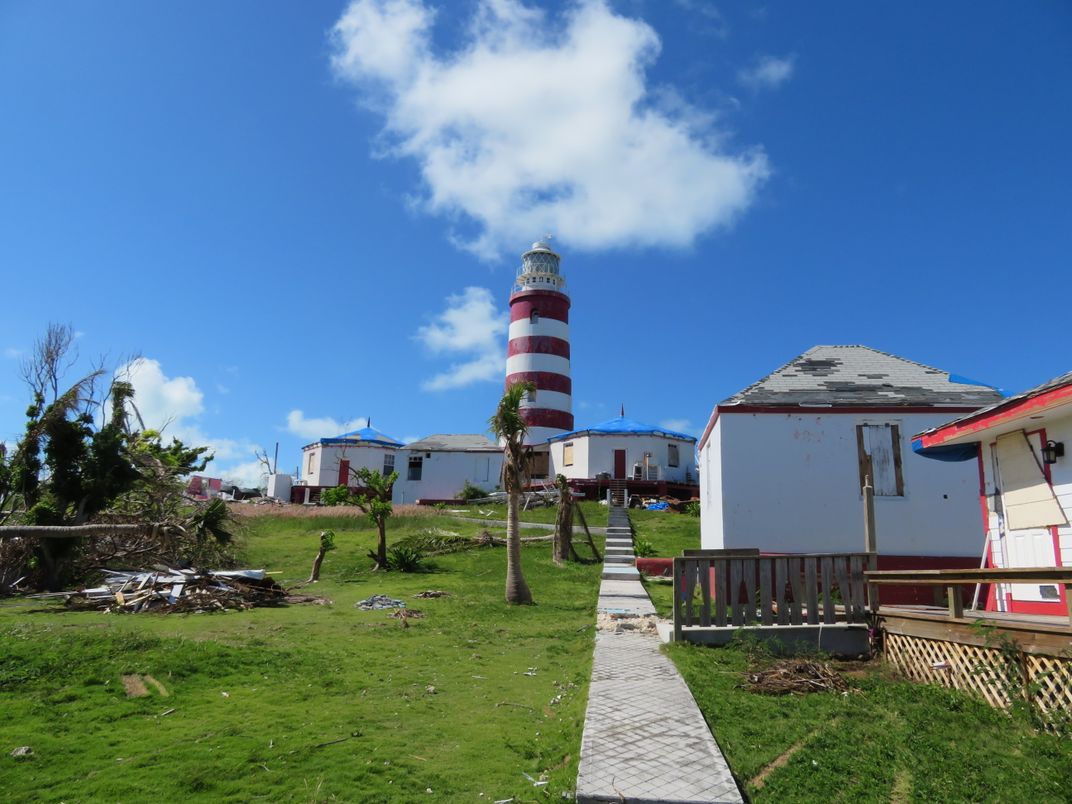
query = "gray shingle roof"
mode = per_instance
[
  {"x": 444, "y": 442},
  {"x": 842, "y": 376}
]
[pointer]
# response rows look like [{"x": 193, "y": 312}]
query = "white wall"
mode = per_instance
[
  {"x": 711, "y": 533},
  {"x": 594, "y": 453},
  {"x": 1060, "y": 430},
  {"x": 791, "y": 483},
  {"x": 326, "y": 458},
  {"x": 444, "y": 472}
]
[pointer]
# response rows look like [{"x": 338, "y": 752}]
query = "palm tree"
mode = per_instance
[{"x": 509, "y": 427}]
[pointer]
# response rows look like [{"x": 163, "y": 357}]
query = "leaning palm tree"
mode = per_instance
[{"x": 509, "y": 427}]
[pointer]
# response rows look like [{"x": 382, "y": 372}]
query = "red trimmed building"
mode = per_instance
[
  {"x": 1017, "y": 448},
  {"x": 782, "y": 462}
]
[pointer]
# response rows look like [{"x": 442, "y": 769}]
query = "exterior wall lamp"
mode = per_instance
[{"x": 1052, "y": 451}]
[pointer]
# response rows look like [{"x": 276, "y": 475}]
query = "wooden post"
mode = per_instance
[
  {"x": 677, "y": 599},
  {"x": 956, "y": 605},
  {"x": 1068, "y": 600},
  {"x": 870, "y": 538}
]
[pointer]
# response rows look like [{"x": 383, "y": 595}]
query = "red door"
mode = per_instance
[
  {"x": 619, "y": 464},
  {"x": 344, "y": 473}
]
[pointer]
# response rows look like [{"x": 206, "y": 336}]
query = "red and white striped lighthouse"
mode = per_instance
[{"x": 539, "y": 347}]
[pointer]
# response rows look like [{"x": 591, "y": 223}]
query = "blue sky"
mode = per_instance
[{"x": 301, "y": 215}]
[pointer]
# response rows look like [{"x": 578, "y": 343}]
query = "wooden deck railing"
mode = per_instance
[
  {"x": 952, "y": 578},
  {"x": 742, "y": 588}
]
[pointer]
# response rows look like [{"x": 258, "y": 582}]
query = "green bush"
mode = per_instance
[
  {"x": 470, "y": 492},
  {"x": 340, "y": 495},
  {"x": 691, "y": 508},
  {"x": 404, "y": 558},
  {"x": 643, "y": 548}
]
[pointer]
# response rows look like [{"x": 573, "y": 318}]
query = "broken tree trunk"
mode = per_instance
[
  {"x": 563, "y": 543},
  {"x": 327, "y": 542}
]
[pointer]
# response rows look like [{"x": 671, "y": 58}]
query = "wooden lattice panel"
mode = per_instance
[
  {"x": 1051, "y": 682},
  {"x": 988, "y": 672},
  {"x": 951, "y": 664}
]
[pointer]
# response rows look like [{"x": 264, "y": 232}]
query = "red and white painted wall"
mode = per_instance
[
  {"x": 1025, "y": 495},
  {"x": 538, "y": 350}
]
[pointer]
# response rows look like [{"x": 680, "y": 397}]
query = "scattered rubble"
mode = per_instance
[
  {"x": 168, "y": 590},
  {"x": 379, "y": 602},
  {"x": 621, "y": 623},
  {"x": 791, "y": 676},
  {"x": 22, "y": 752},
  {"x": 432, "y": 593}
]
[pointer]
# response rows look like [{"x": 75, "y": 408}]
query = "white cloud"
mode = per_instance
[
  {"x": 537, "y": 124},
  {"x": 322, "y": 427},
  {"x": 12, "y": 353},
  {"x": 681, "y": 425},
  {"x": 473, "y": 328},
  {"x": 769, "y": 72},
  {"x": 161, "y": 400},
  {"x": 250, "y": 474},
  {"x": 172, "y": 405}
]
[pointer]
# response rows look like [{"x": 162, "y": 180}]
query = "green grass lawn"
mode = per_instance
[
  {"x": 595, "y": 514},
  {"x": 888, "y": 740},
  {"x": 309, "y": 702},
  {"x": 669, "y": 532}
]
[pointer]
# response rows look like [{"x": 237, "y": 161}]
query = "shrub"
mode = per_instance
[
  {"x": 340, "y": 495},
  {"x": 404, "y": 558},
  {"x": 470, "y": 492},
  {"x": 691, "y": 508},
  {"x": 643, "y": 548}
]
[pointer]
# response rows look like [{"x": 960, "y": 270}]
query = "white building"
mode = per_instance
[
  {"x": 625, "y": 449},
  {"x": 782, "y": 463},
  {"x": 1018, "y": 447},
  {"x": 329, "y": 461},
  {"x": 436, "y": 468}
]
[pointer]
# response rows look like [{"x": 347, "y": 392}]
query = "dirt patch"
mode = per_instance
[
  {"x": 902, "y": 787},
  {"x": 159, "y": 687},
  {"x": 760, "y": 778},
  {"x": 134, "y": 686}
]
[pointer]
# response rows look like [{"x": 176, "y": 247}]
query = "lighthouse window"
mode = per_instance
[
  {"x": 567, "y": 454},
  {"x": 672, "y": 457},
  {"x": 534, "y": 317}
]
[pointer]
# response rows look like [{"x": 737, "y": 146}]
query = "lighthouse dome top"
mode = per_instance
[{"x": 542, "y": 245}]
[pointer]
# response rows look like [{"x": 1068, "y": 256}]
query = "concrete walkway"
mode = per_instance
[{"x": 644, "y": 737}]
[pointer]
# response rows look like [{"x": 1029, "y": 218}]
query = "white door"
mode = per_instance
[{"x": 1029, "y": 507}]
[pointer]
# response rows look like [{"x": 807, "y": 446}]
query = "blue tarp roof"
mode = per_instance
[
  {"x": 366, "y": 435},
  {"x": 624, "y": 426},
  {"x": 951, "y": 453}
]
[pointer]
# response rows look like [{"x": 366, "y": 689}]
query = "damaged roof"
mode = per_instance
[
  {"x": 847, "y": 376},
  {"x": 447, "y": 442}
]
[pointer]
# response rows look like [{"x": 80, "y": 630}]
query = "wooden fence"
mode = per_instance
[{"x": 742, "y": 588}]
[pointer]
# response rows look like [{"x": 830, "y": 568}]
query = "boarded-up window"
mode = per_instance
[
  {"x": 879, "y": 452},
  {"x": 672, "y": 457},
  {"x": 1026, "y": 496},
  {"x": 567, "y": 454}
]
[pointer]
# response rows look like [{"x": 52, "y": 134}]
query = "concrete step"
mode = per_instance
[
  {"x": 611, "y": 559},
  {"x": 618, "y": 543},
  {"x": 621, "y": 573},
  {"x": 620, "y": 551}
]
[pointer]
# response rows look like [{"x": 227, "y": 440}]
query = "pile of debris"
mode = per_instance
[
  {"x": 170, "y": 590},
  {"x": 796, "y": 676}
]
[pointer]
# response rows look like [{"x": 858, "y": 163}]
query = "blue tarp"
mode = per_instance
[
  {"x": 624, "y": 426},
  {"x": 366, "y": 435},
  {"x": 659, "y": 506},
  {"x": 949, "y": 452}
]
